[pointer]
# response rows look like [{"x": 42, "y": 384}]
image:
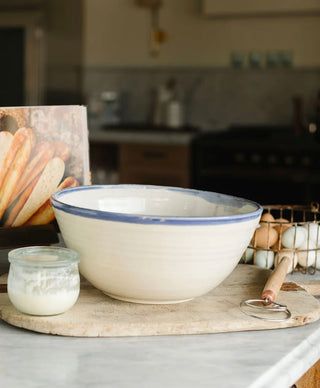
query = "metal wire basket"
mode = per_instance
[{"x": 290, "y": 230}]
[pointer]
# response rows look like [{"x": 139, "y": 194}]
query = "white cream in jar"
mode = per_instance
[{"x": 43, "y": 280}]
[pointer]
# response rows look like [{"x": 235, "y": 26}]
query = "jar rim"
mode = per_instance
[{"x": 51, "y": 256}]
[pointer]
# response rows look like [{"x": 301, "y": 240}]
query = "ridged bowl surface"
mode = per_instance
[{"x": 153, "y": 244}]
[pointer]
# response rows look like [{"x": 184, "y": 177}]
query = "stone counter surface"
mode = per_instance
[
  {"x": 264, "y": 359},
  {"x": 252, "y": 359}
]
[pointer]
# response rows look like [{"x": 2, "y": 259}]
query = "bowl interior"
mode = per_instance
[{"x": 154, "y": 201}]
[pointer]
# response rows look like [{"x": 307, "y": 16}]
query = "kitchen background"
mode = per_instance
[{"x": 255, "y": 68}]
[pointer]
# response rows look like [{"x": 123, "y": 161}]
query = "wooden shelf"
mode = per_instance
[{"x": 234, "y": 8}]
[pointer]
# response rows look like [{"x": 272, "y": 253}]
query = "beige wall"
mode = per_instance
[
  {"x": 64, "y": 32},
  {"x": 117, "y": 34},
  {"x": 64, "y": 57}
]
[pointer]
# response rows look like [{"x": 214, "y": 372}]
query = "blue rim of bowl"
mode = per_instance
[{"x": 57, "y": 203}]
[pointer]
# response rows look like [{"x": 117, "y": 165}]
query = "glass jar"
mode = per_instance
[{"x": 43, "y": 280}]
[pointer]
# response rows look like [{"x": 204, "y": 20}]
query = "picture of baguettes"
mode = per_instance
[
  {"x": 30, "y": 138},
  {"x": 45, "y": 187},
  {"x": 63, "y": 150},
  {"x": 45, "y": 214},
  {"x": 20, "y": 203},
  {"x": 5, "y": 143},
  {"x": 14, "y": 163},
  {"x": 43, "y": 152}
]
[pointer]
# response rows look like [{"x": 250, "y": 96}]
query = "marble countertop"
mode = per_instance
[{"x": 252, "y": 359}]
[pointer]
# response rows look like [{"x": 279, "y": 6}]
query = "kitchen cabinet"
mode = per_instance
[
  {"x": 253, "y": 7},
  {"x": 270, "y": 166},
  {"x": 157, "y": 164},
  {"x": 141, "y": 157},
  {"x": 103, "y": 162},
  {"x": 311, "y": 379}
]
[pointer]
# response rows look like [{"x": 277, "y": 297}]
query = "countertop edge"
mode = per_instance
[
  {"x": 135, "y": 136},
  {"x": 283, "y": 375}
]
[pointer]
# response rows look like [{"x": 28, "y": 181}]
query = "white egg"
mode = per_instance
[
  {"x": 307, "y": 254},
  {"x": 313, "y": 232},
  {"x": 247, "y": 256},
  {"x": 289, "y": 253},
  {"x": 264, "y": 259},
  {"x": 294, "y": 237},
  {"x": 317, "y": 258}
]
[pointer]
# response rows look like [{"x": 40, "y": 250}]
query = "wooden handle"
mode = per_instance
[{"x": 274, "y": 283}]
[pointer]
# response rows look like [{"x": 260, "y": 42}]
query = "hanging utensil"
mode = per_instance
[{"x": 158, "y": 35}]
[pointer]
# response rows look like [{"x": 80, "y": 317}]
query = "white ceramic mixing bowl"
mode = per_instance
[{"x": 153, "y": 244}]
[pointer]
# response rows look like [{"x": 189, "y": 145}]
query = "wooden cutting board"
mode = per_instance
[
  {"x": 96, "y": 315},
  {"x": 309, "y": 281}
]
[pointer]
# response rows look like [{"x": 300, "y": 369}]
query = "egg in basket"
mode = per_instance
[{"x": 287, "y": 230}]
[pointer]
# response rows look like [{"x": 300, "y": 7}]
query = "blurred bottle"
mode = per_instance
[
  {"x": 164, "y": 95},
  {"x": 168, "y": 112},
  {"x": 174, "y": 113},
  {"x": 111, "y": 111}
]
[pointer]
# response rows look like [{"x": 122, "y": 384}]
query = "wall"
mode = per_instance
[
  {"x": 110, "y": 50},
  {"x": 213, "y": 99},
  {"x": 64, "y": 29},
  {"x": 117, "y": 34}
]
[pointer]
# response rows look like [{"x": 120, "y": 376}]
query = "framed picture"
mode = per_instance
[{"x": 42, "y": 149}]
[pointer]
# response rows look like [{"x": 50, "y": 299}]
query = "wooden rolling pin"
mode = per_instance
[{"x": 275, "y": 281}]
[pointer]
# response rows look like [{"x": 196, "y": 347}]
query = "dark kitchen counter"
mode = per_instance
[
  {"x": 140, "y": 133},
  {"x": 264, "y": 163}
]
